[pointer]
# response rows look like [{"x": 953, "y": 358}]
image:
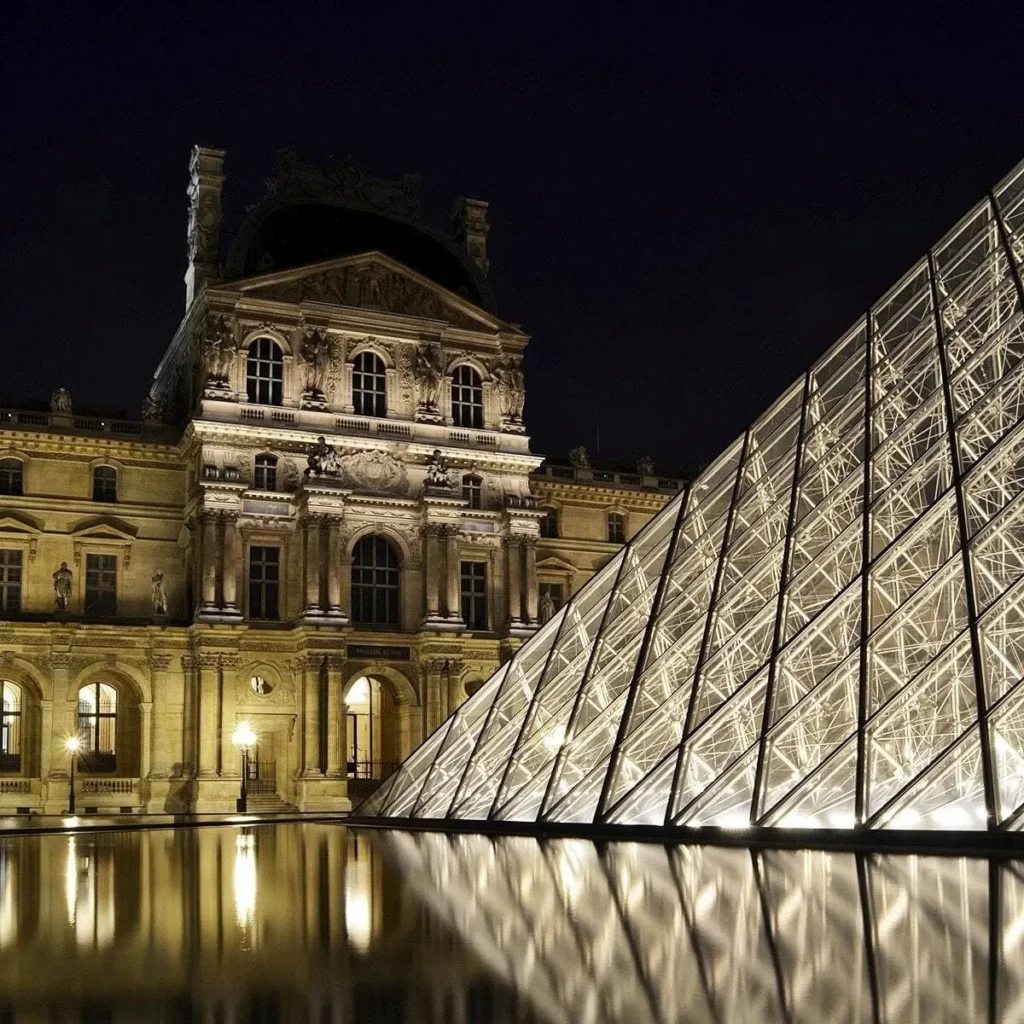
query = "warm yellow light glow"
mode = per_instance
[
  {"x": 244, "y": 735},
  {"x": 72, "y": 744},
  {"x": 71, "y": 880},
  {"x": 358, "y": 906},
  {"x": 245, "y": 881}
]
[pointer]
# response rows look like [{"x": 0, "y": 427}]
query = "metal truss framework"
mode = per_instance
[
  {"x": 825, "y": 630},
  {"x": 652, "y": 933}
]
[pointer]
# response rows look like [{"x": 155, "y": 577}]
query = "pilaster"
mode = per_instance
[
  {"x": 232, "y": 563},
  {"x": 453, "y": 583},
  {"x": 314, "y": 565}
]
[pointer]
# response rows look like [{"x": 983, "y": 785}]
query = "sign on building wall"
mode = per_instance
[{"x": 378, "y": 652}]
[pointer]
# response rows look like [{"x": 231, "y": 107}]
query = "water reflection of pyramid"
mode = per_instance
[{"x": 825, "y": 629}]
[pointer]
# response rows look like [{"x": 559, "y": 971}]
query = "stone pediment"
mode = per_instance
[{"x": 370, "y": 281}]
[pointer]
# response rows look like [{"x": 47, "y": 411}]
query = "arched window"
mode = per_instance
[
  {"x": 10, "y": 476},
  {"x": 375, "y": 583},
  {"x": 472, "y": 490},
  {"x": 369, "y": 385},
  {"x": 264, "y": 372},
  {"x": 97, "y": 727},
  {"x": 10, "y": 726},
  {"x": 104, "y": 483},
  {"x": 265, "y": 474},
  {"x": 467, "y": 398},
  {"x": 549, "y": 523}
]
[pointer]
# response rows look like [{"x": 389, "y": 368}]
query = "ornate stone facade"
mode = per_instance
[{"x": 317, "y": 495}]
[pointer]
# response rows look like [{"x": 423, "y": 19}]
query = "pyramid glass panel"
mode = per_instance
[{"x": 826, "y": 629}]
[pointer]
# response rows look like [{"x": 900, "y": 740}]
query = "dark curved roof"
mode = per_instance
[{"x": 315, "y": 214}]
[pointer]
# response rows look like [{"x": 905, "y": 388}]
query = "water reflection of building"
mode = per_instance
[{"x": 301, "y": 922}]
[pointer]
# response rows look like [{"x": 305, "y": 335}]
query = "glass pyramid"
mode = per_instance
[{"x": 826, "y": 629}]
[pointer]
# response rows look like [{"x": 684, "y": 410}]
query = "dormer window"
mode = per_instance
[
  {"x": 265, "y": 473},
  {"x": 264, "y": 372}
]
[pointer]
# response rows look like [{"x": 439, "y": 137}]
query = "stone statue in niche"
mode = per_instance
[
  {"x": 62, "y": 580},
  {"x": 322, "y": 459},
  {"x": 159, "y": 595},
  {"x": 547, "y": 607},
  {"x": 579, "y": 457},
  {"x": 218, "y": 355},
  {"x": 428, "y": 382},
  {"x": 317, "y": 353},
  {"x": 438, "y": 475},
  {"x": 511, "y": 391},
  {"x": 60, "y": 401}
]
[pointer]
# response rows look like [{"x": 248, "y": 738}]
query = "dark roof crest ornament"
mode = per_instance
[{"x": 346, "y": 183}]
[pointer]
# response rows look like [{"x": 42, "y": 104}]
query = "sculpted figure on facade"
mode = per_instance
[
  {"x": 322, "y": 459},
  {"x": 438, "y": 475},
  {"x": 62, "y": 580},
  {"x": 579, "y": 457},
  {"x": 60, "y": 401},
  {"x": 645, "y": 465},
  {"x": 511, "y": 391},
  {"x": 547, "y": 607},
  {"x": 218, "y": 354},
  {"x": 317, "y": 354},
  {"x": 376, "y": 470},
  {"x": 159, "y": 594},
  {"x": 428, "y": 382},
  {"x": 154, "y": 408}
]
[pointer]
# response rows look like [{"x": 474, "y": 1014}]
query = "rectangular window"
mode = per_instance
[
  {"x": 264, "y": 575},
  {"x": 616, "y": 528},
  {"x": 553, "y": 592},
  {"x": 100, "y": 586},
  {"x": 474, "y": 594},
  {"x": 472, "y": 491},
  {"x": 10, "y": 582},
  {"x": 549, "y": 525},
  {"x": 104, "y": 484}
]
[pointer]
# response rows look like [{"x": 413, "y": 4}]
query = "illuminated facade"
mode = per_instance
[
  {"x": 826, "y": 629},
  {"x": 323, "y": 523}
]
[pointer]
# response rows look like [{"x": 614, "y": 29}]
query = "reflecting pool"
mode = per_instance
[{"x": 321, "y": 923}]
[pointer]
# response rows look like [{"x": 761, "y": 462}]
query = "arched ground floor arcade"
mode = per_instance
[{"x": 153, "y": 710}]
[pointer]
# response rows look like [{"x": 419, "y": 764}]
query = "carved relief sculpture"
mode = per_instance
[
  {"x": 511, "y": 391},
  {"x": 62, "y": 579},
  {"x": 428, "y": 383},
  {"x": 60, "y": 401},
  {"x": 439, "y": 477},
  {"x": 377, "y": 471},
  {"x": 159, "y": 594},
  {"x": 219, "y": 350},
  {"x": 322, "y": 460},
  {"x": 317, "y": 355}
]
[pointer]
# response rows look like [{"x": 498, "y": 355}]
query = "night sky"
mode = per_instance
[{"x": 684, "y": 212}]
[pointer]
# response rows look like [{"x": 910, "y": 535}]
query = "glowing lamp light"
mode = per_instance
[
  {"x": 72, "y": 744},
  {"x": 244, "y": 735}
]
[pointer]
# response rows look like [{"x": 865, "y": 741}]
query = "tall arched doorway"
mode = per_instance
[{"x": 371, "y": 733}]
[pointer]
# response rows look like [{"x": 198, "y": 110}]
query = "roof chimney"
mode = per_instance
[
  {"x": 206, "y": 181},
  {"x": 469, "y": 224}
]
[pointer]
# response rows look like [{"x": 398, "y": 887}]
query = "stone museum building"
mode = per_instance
[{"x": 327, "y": 521}]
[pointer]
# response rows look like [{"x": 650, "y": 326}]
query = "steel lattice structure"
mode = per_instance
[
  {"x": 826, "y": 629},
  {"x": 642, "y": 932}
]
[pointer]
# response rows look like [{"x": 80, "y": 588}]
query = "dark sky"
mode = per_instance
[{"x": 686, "y": 207}]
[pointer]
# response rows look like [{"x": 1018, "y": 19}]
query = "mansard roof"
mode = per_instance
[
  {"x": 312, "y": 214},
  {"x": 824, "y": 631}
]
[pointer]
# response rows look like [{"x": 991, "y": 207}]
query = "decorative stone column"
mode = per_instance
[
  {"x": 209, "y": 714},
  {"x": 435, "y": 709},
  {"x": 208, "y": 563},
  {"x": 313, "y": 608},
  {"x": 432, "y": 572},
  {"x": 311, "y": 716},
  {"x": 145, "y": 739},
  {"x": 515, "y": 593},
  {"x": 530, "y": 550},
  {"x": 230, "y": 760},
  {"x": 335, "y": 609},
  {"x": 232, "y": 566},
  {"x": 453, "y": 587},
  {"x": 337, "y": 721}
]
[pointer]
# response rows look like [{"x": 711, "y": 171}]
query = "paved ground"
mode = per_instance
[{"x": 38, "y": 824}]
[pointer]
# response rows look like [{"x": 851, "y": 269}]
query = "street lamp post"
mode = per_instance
[
  {"x": 72, "y": 745},
  {"x": 244, "y": 738}
]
